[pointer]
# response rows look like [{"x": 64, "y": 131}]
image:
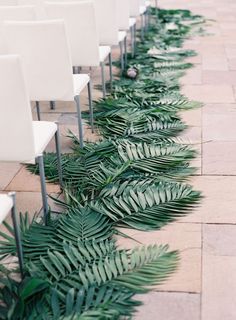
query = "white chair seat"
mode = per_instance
[
  {"x": 6, "y": 204},
  {"x": 104, "y": 52},
  {"x": 121, "y": 36},
  {"x": 43, "y": 133},
  {"x": 80, "y": 82},
  {"x": 132, "y": 22},
  {"x": 142, "y": 10}
]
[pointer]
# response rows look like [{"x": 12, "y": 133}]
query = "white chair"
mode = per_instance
[
  {"x": 145, "y": 5},
  {"x": 44, "y": 48},
  {"x": 23, "y": 140},
  {"x": 138, "y": 9},
  {"x": 8, "y": 204},
  {"x": 125, "y": 22},
  {"x": 14, "y": 13},
  {"x": 109, "y": 33},
  {"x": 82, "y": 33}
]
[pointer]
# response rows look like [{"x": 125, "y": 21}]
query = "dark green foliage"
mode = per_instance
[{"x": 132, "y": 178}]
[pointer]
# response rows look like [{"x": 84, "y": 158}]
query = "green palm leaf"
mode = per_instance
[{"x": 145, "y": 205}]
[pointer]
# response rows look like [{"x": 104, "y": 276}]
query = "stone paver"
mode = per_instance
[
  {"x": 210, "y": 93},
  {"x": 219, "y": 202},
  {"x": 219, "y": 127},
  {"x": 219, "y": 158},
  {"x": 7, "y": 173},
  {"x": 219, "y": 240},
  {"x": 219, "y": 77},
  {"x": 219, "y": 287},
  {"x": 169, "y": 306},
  {"x": 183, "y": 237}
]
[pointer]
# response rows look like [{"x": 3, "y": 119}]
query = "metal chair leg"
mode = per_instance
[
  {"x": 38, "y": 110},
  {"x": 121, "y": 55},
  {"x": 142, "y": 27},
  {"x": 126, "y": 60},
  {"x": 135, "y": 37},
  {"x": 110, "y": 69},
  {"x": 17, "y": 234},
  {"x": 149, "y": 18},
  {"x": 80, "y": 124},
  {"x": 58, "y": 151},
  {"x": 103, "y": 80},
  {"x": 52, "y": 105},
  {"x": 146, "y": 21},
  {"x": 40, "y": 161},
  {"x": 156, "y": 5},
  {"x": 90, "y": 105},
  {"x": 132, "y": 41}
]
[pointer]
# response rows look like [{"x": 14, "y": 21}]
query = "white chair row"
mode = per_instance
[
  {"x": 46, "y": 58},
  {"x": 80, "y": 18}
]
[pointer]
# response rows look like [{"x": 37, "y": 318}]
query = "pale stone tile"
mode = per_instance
[
  {"x": 231, "y": 52},
  {"x": 218, "y": 288},
  {"x": 180, "y": 236},
  {"x": 7, "y": 173},
  {"x": 192, "y": 134},
  {"x": 169, "y": 306},
  {"x": 210, "y": 93},
  {"x": 25, "y": 181},
  {"x": 219, "y": 202},
  {"x": 232, "y": 64},
  {"x": 219, "y": 158},
  {"x": 219, "y": 240},
  {"x": 192, "y": 117},
  {"x": 219, "y": 77},
  {"x": 214, "y": 62},
  {"x": 219, "y": 108},
  {"x": 213, "y": 208},
  {"x": 219, "y": 127},
  {"x": 193, "y": 76}
]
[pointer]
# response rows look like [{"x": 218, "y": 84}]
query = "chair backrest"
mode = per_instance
[
  {"x": 17, "y": 13},
  {"x": 44, "y": 49},
  {"x": 123, "y": 11},
  {"x": 81, "y": 29},
  {"x": 16, "y": 131},
  {"x": 134, "y": 8},
  {"x": 14, "y": 13},
  {"x": 8, "y": 2},
  {"x": 38, "y": 4},
  {"x": 107, "y": 20}
]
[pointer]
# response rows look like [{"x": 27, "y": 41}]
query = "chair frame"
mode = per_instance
[
  {"x": 17, "y": 233},
  {"x": 102, "y": 65},
  {"x": 40, "y": 161}
]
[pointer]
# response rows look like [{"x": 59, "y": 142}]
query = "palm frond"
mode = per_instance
[{"x": 145, "y": 205}]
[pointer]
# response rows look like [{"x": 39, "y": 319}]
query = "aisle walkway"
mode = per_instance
[{"x": 205, "y": 285}]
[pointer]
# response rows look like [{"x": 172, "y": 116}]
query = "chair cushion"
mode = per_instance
[
  {"x": 43, "y": 133},
  {"x": 132, "y": 22},
  {"x": 80, "y": 82},
  {"x": 142, "y": 10},
  {"x": 122, "y": 35},
  {"x": 6, "y": 205},
  {"x": 104, "y": 52}
]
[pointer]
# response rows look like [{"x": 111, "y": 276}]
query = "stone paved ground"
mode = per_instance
[{"x": 205, "y": 285}]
